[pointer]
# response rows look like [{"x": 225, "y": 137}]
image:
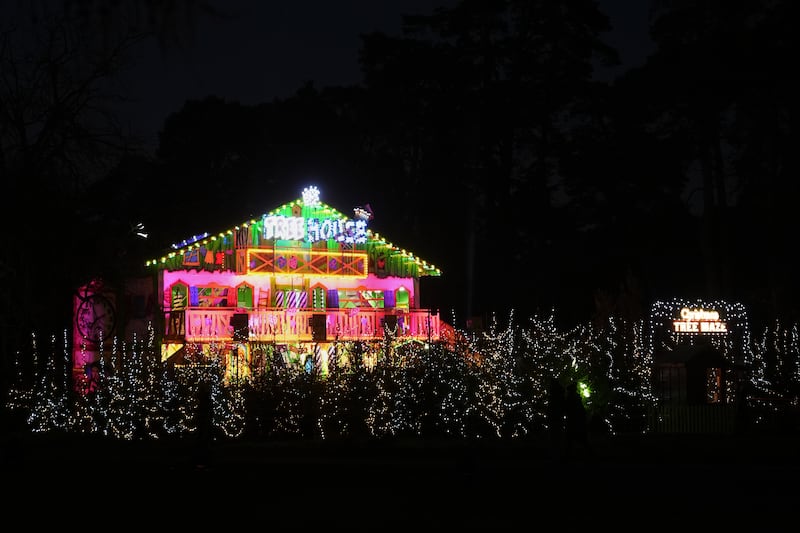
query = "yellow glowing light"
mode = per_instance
[{"x": 169, "y": 349}]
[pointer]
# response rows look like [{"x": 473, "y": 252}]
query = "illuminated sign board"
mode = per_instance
[
  {"x": 699, "y": 321},
  {"x": 314, "y": 229},
  {"x": 286, "y": 228}
]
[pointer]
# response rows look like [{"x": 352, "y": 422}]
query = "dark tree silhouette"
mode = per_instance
[
  {"x": 714, "y": 100},
  {"x": 478, "y": 101},
  {"x": 59, "y": 136}
]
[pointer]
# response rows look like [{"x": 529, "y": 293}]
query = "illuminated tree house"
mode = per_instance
[{"x": 297, "y": 281}]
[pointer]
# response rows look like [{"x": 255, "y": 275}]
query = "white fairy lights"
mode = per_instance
[{"x": 477, "y": 385}]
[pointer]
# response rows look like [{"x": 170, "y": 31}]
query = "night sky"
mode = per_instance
[
  {"x": 610, "y": 210},
  {"x": 261, "y": 51},
  {"x": 257, "y": 53}
]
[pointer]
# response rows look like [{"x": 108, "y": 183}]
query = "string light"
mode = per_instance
[
  {"x": 399, "y": 261},
  {"x": 477, "y": 385}
]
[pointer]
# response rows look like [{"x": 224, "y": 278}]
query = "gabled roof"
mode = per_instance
[{"x": 398, "y": 260}]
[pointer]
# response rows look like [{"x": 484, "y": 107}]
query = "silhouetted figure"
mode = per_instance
[
  {"x": 576, "y": 426},
  {"x": 555, "y": 414}
]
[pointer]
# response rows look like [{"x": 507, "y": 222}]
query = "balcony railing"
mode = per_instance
[{"x": 211, "y": 324}]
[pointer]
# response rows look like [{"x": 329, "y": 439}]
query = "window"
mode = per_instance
[
  {"x": 318, "y": 297},
  {"x": 244, "y": 296},
  {"x": 360, "y": 298},
  {"x": 179, "y": 296},
  {"x": 401, "y": 298},
  {"x": 291, "y": 298},
  {"x": 373, "y": 299},
  {"x": 212, "y": 296}
]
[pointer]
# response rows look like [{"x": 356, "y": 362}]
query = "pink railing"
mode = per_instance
[{"x": 208, "y": 324}]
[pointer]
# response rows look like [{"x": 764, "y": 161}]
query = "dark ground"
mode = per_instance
[{"x": 632, "y": 482}]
